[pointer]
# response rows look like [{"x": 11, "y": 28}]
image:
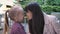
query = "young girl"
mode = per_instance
[{"x": 15, "y": 14}]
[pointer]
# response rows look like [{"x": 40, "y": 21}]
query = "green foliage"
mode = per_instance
[
  {"x": 53, "y": 2},
  {"x": 47, "y": 6},
  {"x": 50, "y": 9},
  {"x": 40, "y": 2}
]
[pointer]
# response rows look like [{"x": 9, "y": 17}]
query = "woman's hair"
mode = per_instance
[
  {"x": 11, "y": 13},
  {"x": 36, "y": 24}
]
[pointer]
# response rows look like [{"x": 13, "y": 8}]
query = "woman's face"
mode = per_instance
[{"x": 29, "y": 15}]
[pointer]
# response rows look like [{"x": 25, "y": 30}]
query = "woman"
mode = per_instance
[
  {"x": 39, "y": 22},
  {"x": 16, "y": 14}
]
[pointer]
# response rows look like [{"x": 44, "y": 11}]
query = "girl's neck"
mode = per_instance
[{"x": 16, "y": 22}]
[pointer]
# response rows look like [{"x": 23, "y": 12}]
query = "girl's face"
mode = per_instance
[
  {"x": 20, "y": 16},
  {"x": 29, "y": 15}
]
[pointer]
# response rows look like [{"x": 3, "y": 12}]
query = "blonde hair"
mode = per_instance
[{"x": 11, "y": 13}]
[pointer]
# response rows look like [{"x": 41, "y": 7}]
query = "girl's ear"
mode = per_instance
[{"x": 15, "y": 18}]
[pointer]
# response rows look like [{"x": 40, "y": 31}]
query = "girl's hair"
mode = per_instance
[
  {"x": 6, "y": 23},
  {"x": 36, "y": 24},
  {"x": 11, "y": 13}
]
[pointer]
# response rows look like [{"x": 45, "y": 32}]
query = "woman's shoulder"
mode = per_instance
[
  {"x": 48, "y": 16},
  {"x": 51, "y": 16}
]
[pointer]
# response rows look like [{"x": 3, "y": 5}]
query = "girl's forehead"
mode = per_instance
[
  {"x": 21, "y": 12},
  {"x": 16, "y": 9}
]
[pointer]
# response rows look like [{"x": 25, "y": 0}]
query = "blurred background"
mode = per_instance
[{"x": 51, "y": 7}]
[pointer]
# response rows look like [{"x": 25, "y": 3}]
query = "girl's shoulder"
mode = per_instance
[{"x": 16, "y": 26}]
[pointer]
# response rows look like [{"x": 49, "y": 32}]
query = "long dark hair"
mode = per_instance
[{"x": 36, "y": 24}]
